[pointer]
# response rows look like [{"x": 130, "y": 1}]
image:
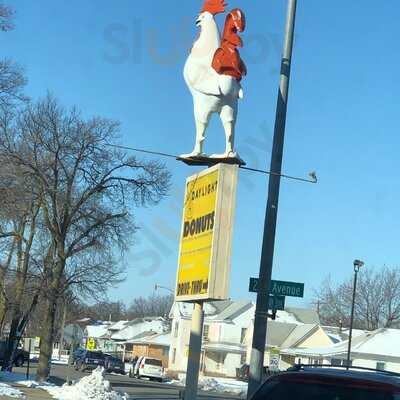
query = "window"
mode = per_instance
[
  {"x": 243, "y": 359},
  {"x": 380, "y": 366},
  {"x": 153, "y": 361},
  {"x": 176, "y": 329},
  {"x": 243, "y": 335},
  {"x": 206, "y": 332}
]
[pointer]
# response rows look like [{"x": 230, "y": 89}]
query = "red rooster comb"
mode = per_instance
[{"x": 214, "y": 6}]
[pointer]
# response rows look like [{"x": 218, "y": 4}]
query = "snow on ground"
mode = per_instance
[
  {"x": 91, "y": 387},
  {"x": 19, "y": 379},
  {"x": 6, "y": 390},
  {"x": 217, "y": 385}
]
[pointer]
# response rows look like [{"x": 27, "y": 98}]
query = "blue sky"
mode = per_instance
[{"x": 124, "y": 60}]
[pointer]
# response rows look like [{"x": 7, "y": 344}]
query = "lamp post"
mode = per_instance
[
  {"x": 156, "y": 287},
  {"x": 357, "y": 265}
]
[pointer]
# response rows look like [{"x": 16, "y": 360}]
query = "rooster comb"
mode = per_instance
[{"x": 214, "y": 6}]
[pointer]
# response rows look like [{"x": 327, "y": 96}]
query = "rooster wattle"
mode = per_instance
[{"x": 213, "y": 72}]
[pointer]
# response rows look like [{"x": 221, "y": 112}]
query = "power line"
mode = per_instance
[{"x": 313, "y": 176}]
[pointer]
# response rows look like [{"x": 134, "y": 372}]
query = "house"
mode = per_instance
[
  {"x": 149, "y": 344},
  {"x": 228, "y": 331},
  {"x": 225, "y": 326},
  {"x": 377, "y": 350},
  {"x": 283, "y": 335}
]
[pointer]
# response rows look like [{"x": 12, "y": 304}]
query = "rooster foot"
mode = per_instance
[
  {"x": 194, "y": 154},
  {"x": 229, "y": 154}
]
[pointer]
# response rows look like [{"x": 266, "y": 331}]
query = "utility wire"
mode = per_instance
[{"x": 261, "y": 171}]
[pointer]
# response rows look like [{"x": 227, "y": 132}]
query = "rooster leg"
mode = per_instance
[
  {"x": 230, "y": 138},
  {"x": 200, "y": 136}
]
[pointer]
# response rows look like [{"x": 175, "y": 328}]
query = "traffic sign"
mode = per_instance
[
  {"x": 276, "y": 303},
  {"x": 279, "y": 288},
  {"x": 91, "y": 344}
]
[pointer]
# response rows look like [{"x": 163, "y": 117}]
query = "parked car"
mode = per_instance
[
  {"x": 90, "y": 360},
  {"x": 318, "y": 383},
  {"x": 20, "y": 357},
  {"x": 147, "y": 367},
  {"x": 114, "y": 364},
  {"x": 77, "y": 354}
]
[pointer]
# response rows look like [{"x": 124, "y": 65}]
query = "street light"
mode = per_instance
[
  {"x": 156, "y": 287},
  {"x": 357, "y": 265}
]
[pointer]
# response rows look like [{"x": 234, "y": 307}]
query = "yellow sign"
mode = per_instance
[
  {"x": 91, "y": 344},
  {"x": 206, "y": 234}
]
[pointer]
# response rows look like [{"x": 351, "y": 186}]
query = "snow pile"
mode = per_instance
[
  {"x": 6, "y": 390},
  {"x": 91, "y": 387},
  {"x": 220, "y": 385},
  {"x": 216, "y": 385}
]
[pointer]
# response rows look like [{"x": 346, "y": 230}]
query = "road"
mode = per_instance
[{"x": 137, "y": 389}]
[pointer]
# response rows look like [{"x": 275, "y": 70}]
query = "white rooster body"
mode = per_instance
[{"x": 212, "y": 92}]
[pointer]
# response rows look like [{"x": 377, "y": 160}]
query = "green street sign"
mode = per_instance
[
  {"x": 280, "y": 288},
  {"x": 276, "y": 303}
]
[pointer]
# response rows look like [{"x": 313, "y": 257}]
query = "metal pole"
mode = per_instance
[
  {"x": 356, "y": 269},
  {"x": 196, "y": 335},
  {"x": 267, "y": 253},
  {"x": 29, "y": 360}
]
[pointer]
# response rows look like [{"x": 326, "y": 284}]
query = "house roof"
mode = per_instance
[
  {"x": 304, "y": 315},
  {"x": 231, "y": 311},
  {"x": 96, "y": 331},
  {"x": 380, "y": 343},
  {"x": 278, "y": 332},
  {"x": 299, "y": 334},
  {"x": 139, "y": 326},
  {"x": 118, "y": 325},
  {"x": 159, "y": 339},
  {"x": 212, "y": 308}
]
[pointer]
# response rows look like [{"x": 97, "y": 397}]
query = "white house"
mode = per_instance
[
  {"x": 228, "y": 330},
  {"x": 225, "y": 327},
  {"x": 377, "y": 350}
]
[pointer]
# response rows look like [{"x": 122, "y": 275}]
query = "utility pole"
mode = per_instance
[
  {"x": 196, "y": 337},
  {"x": 267, "y": 253}
]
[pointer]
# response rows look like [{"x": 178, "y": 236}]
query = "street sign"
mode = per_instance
[
  {"x": 276, "y": 303},
  {"x": 91, "y": 344},
  {"x": 274, "y": 358},
  {"x": 280, "y": 288}
]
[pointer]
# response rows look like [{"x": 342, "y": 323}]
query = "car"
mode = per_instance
[
  {"x": 147, "y": 367},
  {"x": 21, "y": 356},
  {"x": 77, "y": 354},
  {"x": 90, "y": 360},
  {"x": 114, "y": 364},
  {"x": 330, "y": 383}
]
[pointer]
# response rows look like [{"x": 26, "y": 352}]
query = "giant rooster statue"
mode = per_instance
[{"x": 213, "y": 73}]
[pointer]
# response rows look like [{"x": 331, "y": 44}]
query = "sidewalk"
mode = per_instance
[{"x": 29, "y": 393}]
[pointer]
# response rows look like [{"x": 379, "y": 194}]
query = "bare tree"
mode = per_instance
[
  {"x": 377, "y": 300},
  {"x": 6, "y": 16},
  {"x": 89, "y": 193},
  {"x": 12, "y": 83},
  {"x": 152, "y": 306},
  {"x": 12, "y": 79}
]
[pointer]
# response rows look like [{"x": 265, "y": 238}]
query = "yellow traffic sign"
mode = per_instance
[{"x": 91, "y": 344}]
